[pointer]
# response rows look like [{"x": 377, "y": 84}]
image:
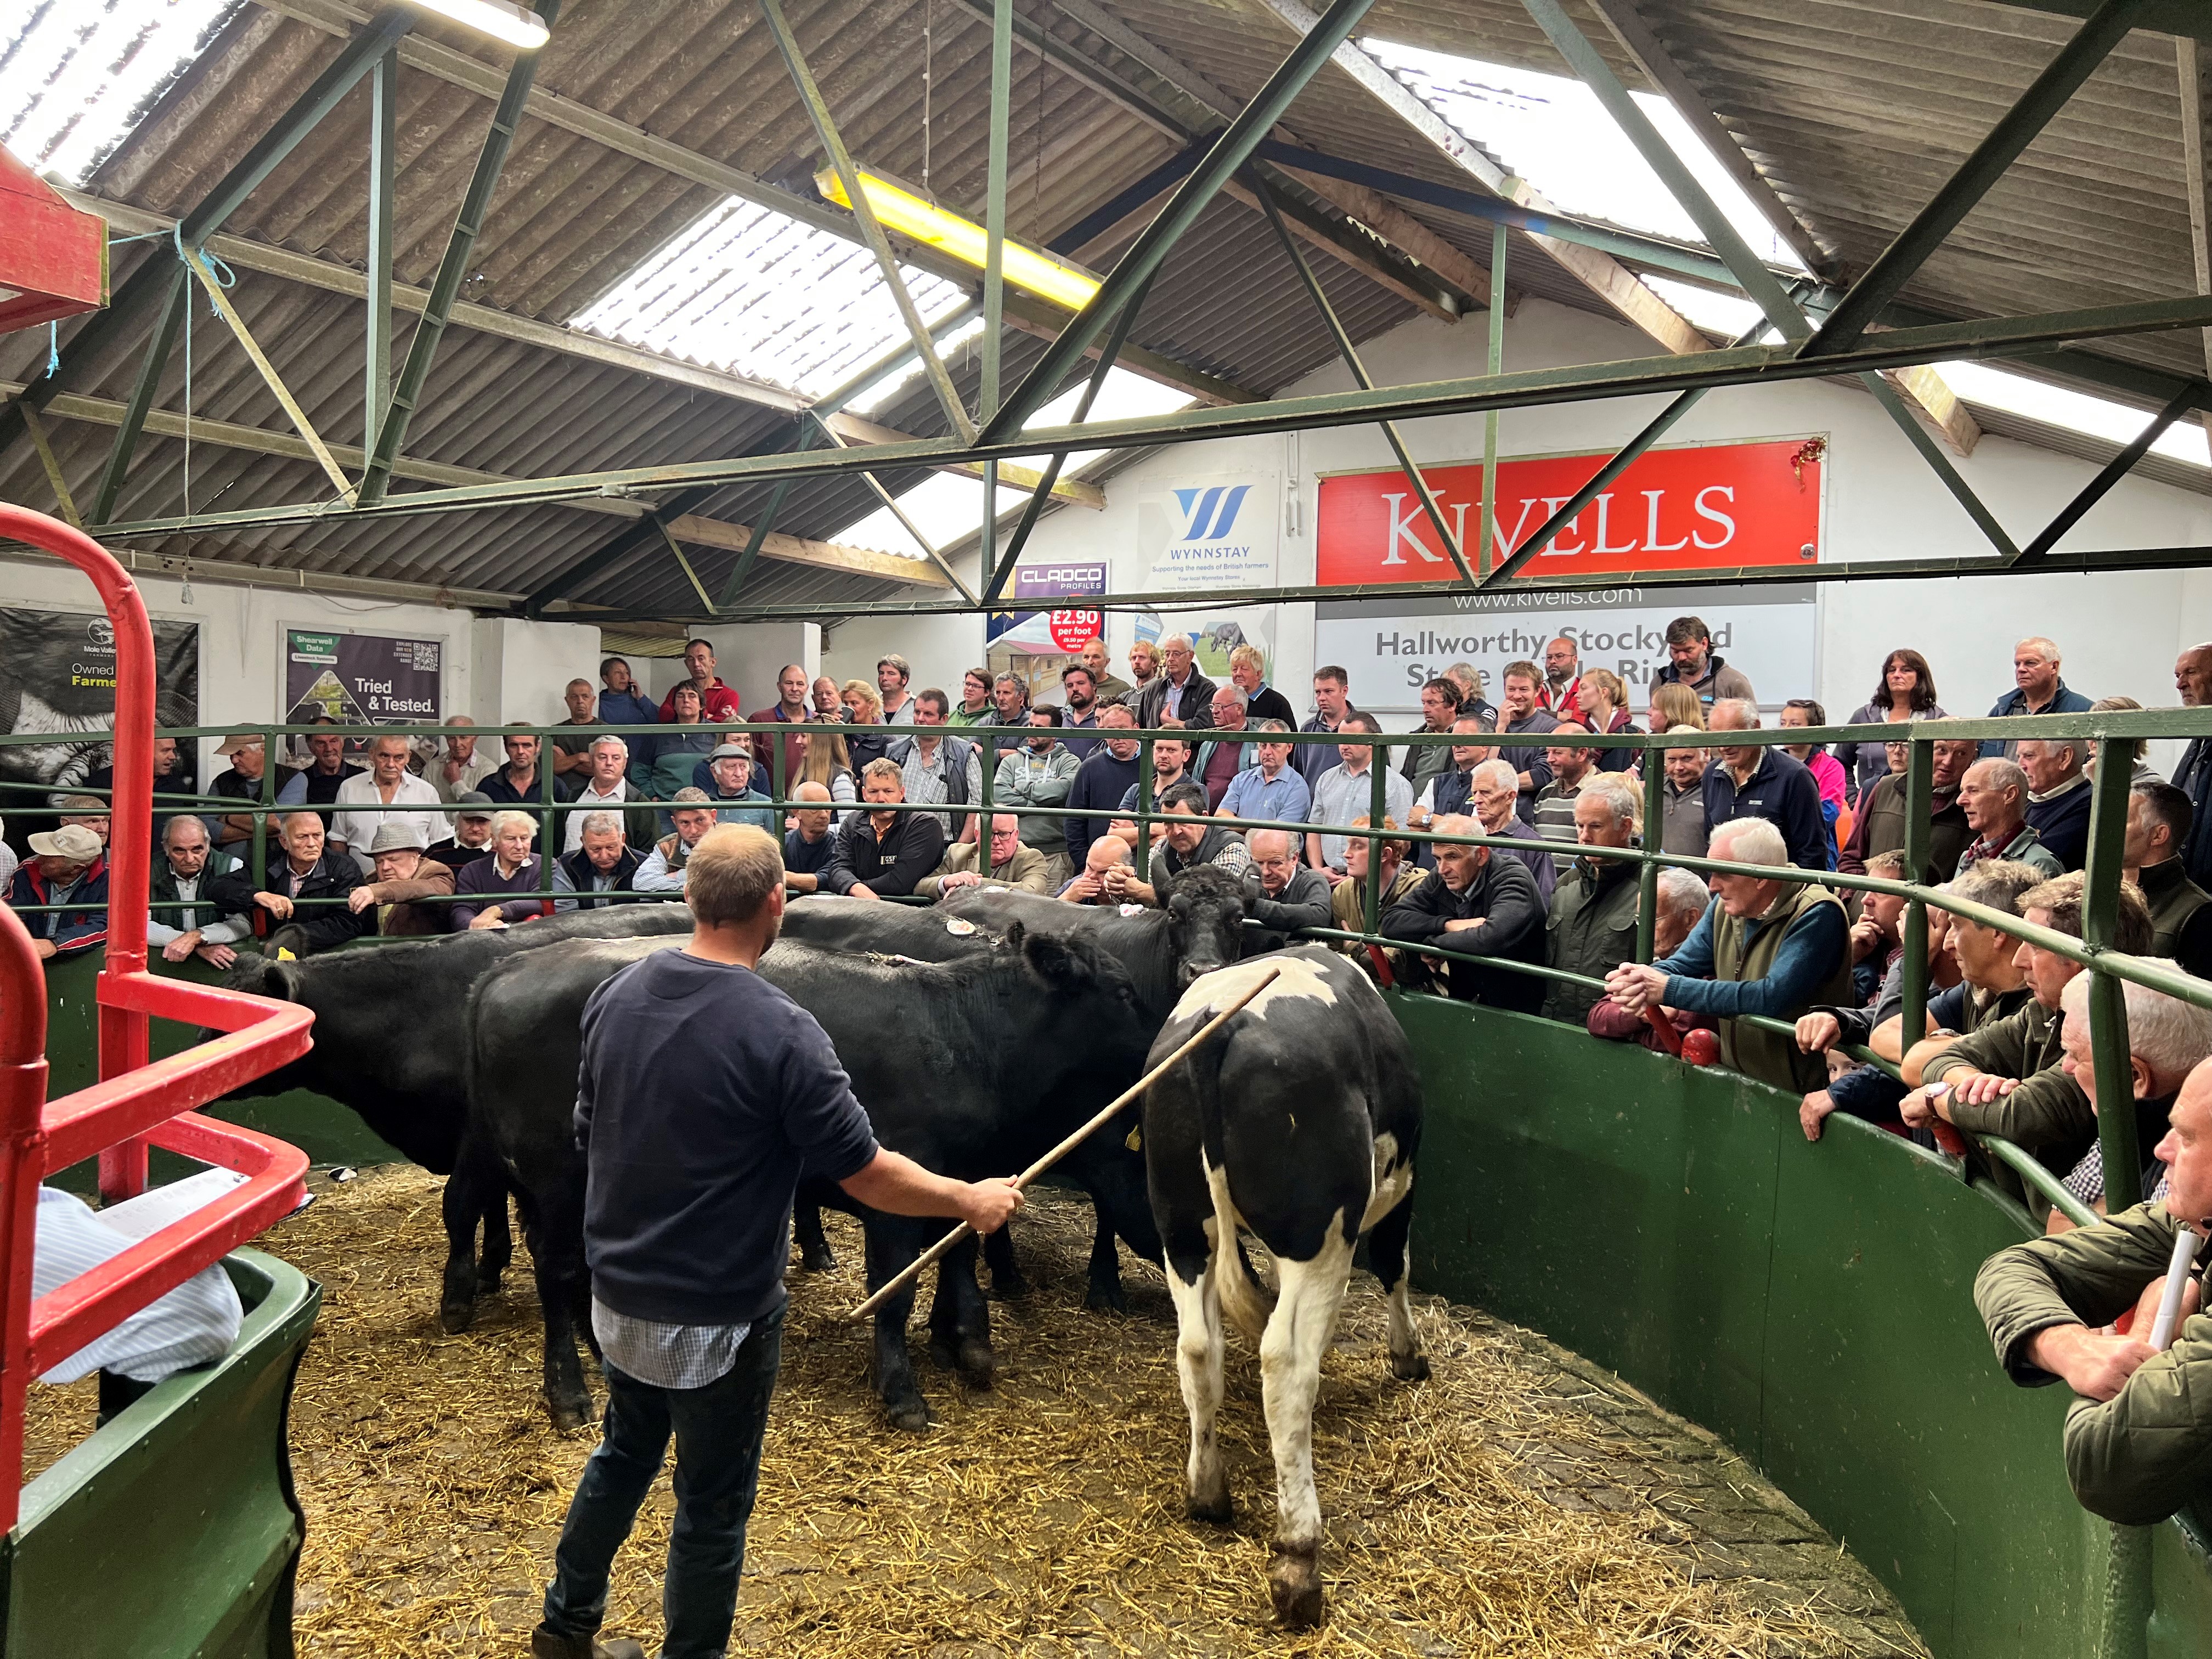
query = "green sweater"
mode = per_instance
[{"x": 2139, "y": 1457}]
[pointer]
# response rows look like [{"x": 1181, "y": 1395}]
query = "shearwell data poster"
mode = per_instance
[{"x": 361, "y": 679}]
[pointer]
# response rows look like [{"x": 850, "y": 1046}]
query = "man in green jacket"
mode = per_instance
[
  {"x": 2138, "y": 1441},
  {"x": 1591, "y": 929},
  {"x": 2006, "y": 1079}
]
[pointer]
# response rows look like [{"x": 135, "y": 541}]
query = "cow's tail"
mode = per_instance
[{"x": 1245, "y": 1301}]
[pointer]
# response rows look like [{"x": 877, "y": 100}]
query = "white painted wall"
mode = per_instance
[
  {"x": 2119, "y": 632},
  {"x": 940, "y": 649},
  {"x": 523, "y": 669},
  {"x": 748, "y": 657}
]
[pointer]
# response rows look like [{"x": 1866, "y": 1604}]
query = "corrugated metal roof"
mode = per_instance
[{"x": 1856, "y": 108}]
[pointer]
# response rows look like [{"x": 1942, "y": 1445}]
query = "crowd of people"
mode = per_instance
[{"x": 1795, "y": 980}]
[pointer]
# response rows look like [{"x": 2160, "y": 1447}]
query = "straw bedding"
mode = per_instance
[{"x": 1520, "y": 1502}]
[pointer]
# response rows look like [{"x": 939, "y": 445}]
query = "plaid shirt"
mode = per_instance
[{"x": 667, "y": 1355}]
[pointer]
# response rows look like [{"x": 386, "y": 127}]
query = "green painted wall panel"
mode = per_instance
[{"x": 1809, "y": 1302}]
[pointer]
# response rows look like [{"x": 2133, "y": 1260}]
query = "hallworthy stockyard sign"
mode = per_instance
[
  {"x": 1390, "y": 646},
  {"x": 1698, "y": 506}
]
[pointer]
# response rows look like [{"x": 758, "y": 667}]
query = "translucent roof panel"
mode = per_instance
[
  {"x": 749, "y": 291},
  {"x": 1553, "y": 132},
  {"x": 76, "y": 75},
  {"x": 949, "y": 509},
  {"x": 1976, "y": 382}
]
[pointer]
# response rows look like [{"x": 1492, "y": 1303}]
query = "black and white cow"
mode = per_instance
[
  {"x": 972, "y": 1068},
  {"x": 1295, "y": 1125},
  {"x": 392, "y": 1042}
]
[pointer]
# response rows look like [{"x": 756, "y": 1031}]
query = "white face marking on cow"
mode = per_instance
[
  {"x": 1300, "y": 980},
  {"x": 1394, "y": 1179}
]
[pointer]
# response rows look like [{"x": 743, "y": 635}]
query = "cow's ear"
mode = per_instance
[
  {"x": 1058, "y": 962},
  {"x": 1015, "y": 935}
]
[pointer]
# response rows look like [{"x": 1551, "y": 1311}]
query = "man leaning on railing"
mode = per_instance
[
  {"x": 2138, "y": 1441},
  {"x": 1765, "y": 946},
  {"x": 2007, "y": 1079}
]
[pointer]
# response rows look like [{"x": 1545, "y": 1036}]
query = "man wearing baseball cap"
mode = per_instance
[
  {"x": 242, "y": 780},
  {"x": 407, "y": 884},
  {"x": 67, "y": 867}
]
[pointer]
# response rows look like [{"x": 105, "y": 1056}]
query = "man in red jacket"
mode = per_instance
[{"x": 717, "y": 702}]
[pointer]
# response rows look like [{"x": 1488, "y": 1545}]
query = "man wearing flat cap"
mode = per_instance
[
  {"x": 471, "y": 838},
  {"x": 735, "y": 800},
  {"x": 67, "y": 867},
  {"x": 407, "y": 882}
]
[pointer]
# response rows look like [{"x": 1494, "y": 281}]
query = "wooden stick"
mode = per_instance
[{"x": 935, "y": 1252}]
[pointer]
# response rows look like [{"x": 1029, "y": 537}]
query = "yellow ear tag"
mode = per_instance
[
  {"x": 283, "y": 955},
  {"x": 1135, "y": 1142}
]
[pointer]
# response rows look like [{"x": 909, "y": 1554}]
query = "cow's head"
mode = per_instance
[
  {"x": 262, "y": 977},
  {"x": 1090, "y": 992},
  {"x": 1205, "y": 920}
]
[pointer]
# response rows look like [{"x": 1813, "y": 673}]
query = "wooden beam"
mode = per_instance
[
  {"x": 855, "y": 429},
  {"x": 705, "y": 532},
  {"x": 798, "y": 550},
  {"x": 1936, "y": 406}
]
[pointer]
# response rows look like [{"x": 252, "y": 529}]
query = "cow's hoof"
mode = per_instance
[
  {"x": 1106, "y": 1296},
  {"x": 911, "y": 1415},
  {"x": 454, "y": 1317},
  {"x": 569, "y": 1415},
  {"x": 812, "y": 1260},
  {"x": 942, "y": 1353},
  {"x": 1007, "y": 1287},
  {"x": 1294, "y": 1585},
  {"x": 488, "y": 1276},
  {"x": 1214, "y": 1511},
  {"x": 976, "y": 1364},
  {"x": 1410, "y": 1367}
]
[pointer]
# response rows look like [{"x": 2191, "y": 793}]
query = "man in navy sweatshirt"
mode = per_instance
[
  {"x": 703, "y": 1092},
  {"x": 1102, "y": 782}
]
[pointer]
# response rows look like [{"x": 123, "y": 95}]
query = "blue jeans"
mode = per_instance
[{"x": 718, "y": 1431}]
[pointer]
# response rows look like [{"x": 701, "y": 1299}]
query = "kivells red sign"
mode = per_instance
[{"x": 1698, "y": 507}]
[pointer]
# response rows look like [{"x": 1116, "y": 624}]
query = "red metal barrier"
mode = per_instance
[{"x": 134, "y": 1104}]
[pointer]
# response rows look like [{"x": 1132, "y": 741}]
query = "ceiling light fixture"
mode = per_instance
[
  {"x": 899, "y": 208},
  {"x": 502, "y": 20}
]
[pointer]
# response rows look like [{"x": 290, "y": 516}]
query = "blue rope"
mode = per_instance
[
  {"x": 224, "y": 276},
  {"x": 53, "y": 349}
]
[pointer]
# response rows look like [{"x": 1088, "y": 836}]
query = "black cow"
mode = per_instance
[
  {"x": 1297, "y": 1124},
  {"x": 1200, "y": 926},
  {"x": 392, "y": 1042},
  {"x": 973, "y": 1067}
]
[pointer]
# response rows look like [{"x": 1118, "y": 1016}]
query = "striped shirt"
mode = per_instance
[
  {"x": 194, "y": 1324},
  {"x": 1555, "y": 818}
]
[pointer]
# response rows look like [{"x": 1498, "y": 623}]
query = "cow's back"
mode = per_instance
[{"x": 831, "y": 922}]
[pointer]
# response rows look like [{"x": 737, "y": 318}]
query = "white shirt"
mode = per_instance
[
  {"x": 590, "y": 801},
  {"x": 360, "y": 809},
  {"x": 192, "y": 1324}
]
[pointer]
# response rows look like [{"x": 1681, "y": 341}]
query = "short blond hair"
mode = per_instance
[
  {"x": 1248, "y": 656},
  {"x": 884, "y": 767},
  {"x": 731, "y": 873},
  {"x": 502, "y": 822},
  {"x": 865, "y": 694}
]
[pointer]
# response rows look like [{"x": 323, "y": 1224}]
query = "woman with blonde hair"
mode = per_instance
[
  {"x": 824, "y": 759},
  {"x": 1598, "y": 696},
  {"x": 2144, "y": 772},
  {"x": 863, "y": 708},
  {"x": 1674, "y": 704}
]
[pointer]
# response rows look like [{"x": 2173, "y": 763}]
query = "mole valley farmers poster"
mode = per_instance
[
  {"x": 361, "y": 679},
  {"x": 57, "y": 675}
]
